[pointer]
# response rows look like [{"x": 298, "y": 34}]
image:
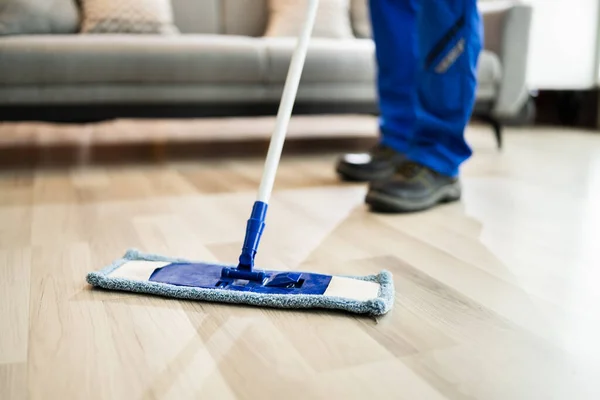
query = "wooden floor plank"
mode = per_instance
[
  {"x": 13, "y": 381},
  {"x": 15, "y": 270}
]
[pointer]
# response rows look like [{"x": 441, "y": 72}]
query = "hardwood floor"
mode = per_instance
[{"x": 496, "y": 296}]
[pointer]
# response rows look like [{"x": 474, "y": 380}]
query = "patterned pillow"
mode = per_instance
[{"x": 128, "y": 16}]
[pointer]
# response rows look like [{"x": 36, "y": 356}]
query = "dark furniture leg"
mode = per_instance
[{"x": 496, "y": 126}]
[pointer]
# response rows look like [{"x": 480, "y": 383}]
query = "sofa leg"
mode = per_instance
[{"x": 497, "y": 127}]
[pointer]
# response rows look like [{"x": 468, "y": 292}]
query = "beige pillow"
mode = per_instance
[
  {"x": 128, "y": 16},
  {"x": 286, "y": 18}
]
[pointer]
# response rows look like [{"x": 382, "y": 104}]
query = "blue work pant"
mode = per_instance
[{"x": 427, "y": 53}]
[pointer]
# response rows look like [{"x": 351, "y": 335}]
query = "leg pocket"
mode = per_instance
[{"x": 443, "y": 83}]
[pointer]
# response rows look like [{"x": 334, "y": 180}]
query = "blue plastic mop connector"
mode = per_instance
[{"x": 254, "y": 230}]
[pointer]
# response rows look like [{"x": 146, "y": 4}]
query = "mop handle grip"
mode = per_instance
[{"x": 287, "y": 104}]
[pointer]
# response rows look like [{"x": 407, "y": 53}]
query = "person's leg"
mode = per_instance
[
  {"x": 394, "y": 27},
  {"x": 450, "y": 40},
  {"x": 394, "y": 30}
]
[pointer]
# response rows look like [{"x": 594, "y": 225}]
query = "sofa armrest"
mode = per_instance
[{"x": 507, "y": 26}]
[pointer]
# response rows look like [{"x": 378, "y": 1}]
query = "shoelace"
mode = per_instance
[{"x": 409, "y": 169}]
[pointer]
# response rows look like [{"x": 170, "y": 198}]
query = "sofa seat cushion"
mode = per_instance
[
  {"x": 332, "y": 60},
  {"x": 327, "y": 60},
  {"x": 94, "y": 59}
]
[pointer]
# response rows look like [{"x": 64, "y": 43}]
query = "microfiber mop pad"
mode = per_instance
[{"x": 151, "y": 274}]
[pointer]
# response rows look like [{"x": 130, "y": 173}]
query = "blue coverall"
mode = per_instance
[{"x": 427, "y": 53}]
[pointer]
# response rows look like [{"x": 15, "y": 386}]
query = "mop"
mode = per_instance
[{"x": 241, "y": 283}]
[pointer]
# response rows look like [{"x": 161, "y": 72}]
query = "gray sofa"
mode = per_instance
[{"x": 221, "y": 64}]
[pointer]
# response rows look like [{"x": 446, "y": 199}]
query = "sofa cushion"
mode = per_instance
[
  {"x": 127, "y": 16},
  {"x": 68, "y": 59},
  {"x": 197, "y": 16},
  {"x": 287, "y": 17},
  {"x": 245, "y": 17},
  {"x": 327, "y": 60},
  {"x": 27, "y": 17}
]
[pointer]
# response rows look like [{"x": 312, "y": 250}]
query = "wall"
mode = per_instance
[{"x": 564, "y": 44}]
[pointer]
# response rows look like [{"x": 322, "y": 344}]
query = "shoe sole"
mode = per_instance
[
  {"x": 351, "y": 175},
  {"x": 381, "y": 202}
]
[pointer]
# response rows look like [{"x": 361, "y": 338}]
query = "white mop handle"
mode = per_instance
[{"x": 287, "y": 104}]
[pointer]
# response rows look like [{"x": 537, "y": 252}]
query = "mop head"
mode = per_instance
[{"x": 183, "y": 279}]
